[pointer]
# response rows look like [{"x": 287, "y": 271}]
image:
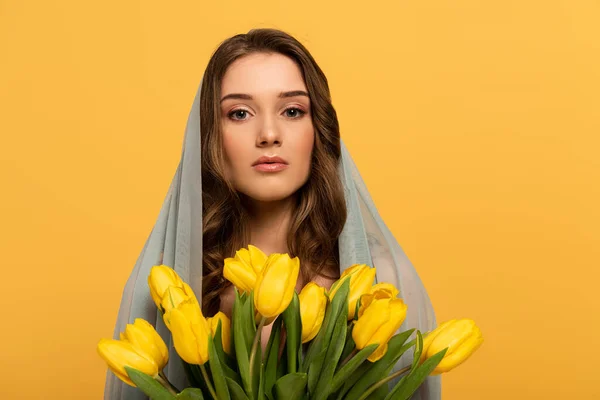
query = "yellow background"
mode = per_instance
[{"x": 475, "y": 124}]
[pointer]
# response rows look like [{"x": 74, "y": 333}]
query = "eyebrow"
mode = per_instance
[{"x": 243, "y": 96}]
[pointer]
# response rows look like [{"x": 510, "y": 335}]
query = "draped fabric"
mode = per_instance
[{"x": 176, "y": 241}]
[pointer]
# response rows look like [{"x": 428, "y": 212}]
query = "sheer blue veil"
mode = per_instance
[{"x": 176, "y": 240}]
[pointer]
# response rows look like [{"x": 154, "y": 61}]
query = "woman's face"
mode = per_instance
[{"x": 265, "y": 112}]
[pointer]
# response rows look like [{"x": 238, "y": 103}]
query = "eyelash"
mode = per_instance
[{"x": 232, "y": 112}]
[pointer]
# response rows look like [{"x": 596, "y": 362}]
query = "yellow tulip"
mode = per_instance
[
  {"x": 361, "y": 279},
  {"x": 160, "y": 278},
  {"x": 143, "y": 336},
  {"x": 240, "y": 274},
  {"x": 312, "y": 310},
  {"x": 461, "y": 336},
  {"x": 140, "y": 347},
  {"x": 252, "y": 257},
  {"x": 276, "y": 284},
  {"x": 174, "y": 296},
  {"x": 387, "y": 286},
  {"x": 367, "y": 299},
  {"x": 190, "y": 332},
  {"x": 213, "y": 322},
  {"x": 378, "y": 323}
]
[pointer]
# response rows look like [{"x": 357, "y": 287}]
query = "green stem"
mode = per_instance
[
  {"x": 352, "y": 354},
  {"x": 255, "y": 343},
  {"x": 208, "y": 382},
  {"x": 376, "y": 385},
  {"x": 162, "y": 379}
]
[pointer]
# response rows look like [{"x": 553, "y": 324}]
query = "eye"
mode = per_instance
[
  {"x": 237, "y": 115},
  {"x": 294, "y": 112}
]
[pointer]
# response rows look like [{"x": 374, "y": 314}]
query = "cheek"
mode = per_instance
[
  {"x": 305, "y": 147},
  {"x": 233, "y": 150}
]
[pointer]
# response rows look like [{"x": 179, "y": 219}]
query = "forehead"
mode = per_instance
[{"x": 262, "y": 73}]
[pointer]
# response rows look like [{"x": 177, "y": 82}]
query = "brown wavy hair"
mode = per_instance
[{"x": 320, "y": 211}]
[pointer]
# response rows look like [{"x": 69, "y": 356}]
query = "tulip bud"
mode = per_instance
[
  {"x": 378, "y": 323},
  {"x": 213, "y": 322},
  {"x": 312, "y": 310},
  {"x": 140, "y": 347},
  {"x": 174, "y": 296},
  {"x": 361, "y": 279},
  {"x": 462, "y": 337},
  {"x": 241, "y": 274},
  {"x": 160, "y": 278},
  {"x": 143, "y": 336},
  {"x": 253, "y": 257},
  {"x": 387, "y": 286},
  {"x": 367, "y": 299},
  {"x": 276, "y": 284},
  {"x": 190, "y": 332}
]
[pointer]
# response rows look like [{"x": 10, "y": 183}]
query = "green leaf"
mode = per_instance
[
  {"x": 249, "y": 324},
  {"x": 345, "y": 371},
  {"x": 190, "y": 374},
  {"x": 360, "y": 371},
  {"x": 291, "y": 386},
  {"x": 190, "y": 394},
  {"x": 217, "y": 370},
  {"x": 236, "y": 391},
  {"x": 272, "y": 355},
  {"x": 380, "y": 393},
  {"x": 338, "y": 305},
  {"x": 241, "y": 348},
  {"x": 293, "y": 329},
  {"x": 316, "y": 345},
  {"x": 407, "y": 386},
  {"x": 334, "y": 351},
  {"x": 314, "y": 370},
  {"x": 147, "y": 384},
  {"x": 226, "y": 361},
  {"x": 323, "y": 338},
  {"x": 256, "y": 370},
  {"x": 418, "y": 350},
  {"x": 282, "y": 365},
  {"x": 218, "y": 340},
  {"x": 197, "y": 372},
  {"x": 381, "y": 368},
  {"x": 261, "y": 385},
  {"x": 350, "y": 345}
]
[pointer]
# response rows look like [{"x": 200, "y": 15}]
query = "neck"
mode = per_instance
[{"x": 270, "y": 224}]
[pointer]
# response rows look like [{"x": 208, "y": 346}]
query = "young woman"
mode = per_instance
[{"x": 263, "y": 164}]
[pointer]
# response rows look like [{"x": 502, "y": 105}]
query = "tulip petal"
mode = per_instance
[
  {"x": 366, "y": 327},
  {"x": 431, "y": 336},
  {"x": 378, "y": 353},
  {"x": 312, "y": 310},
  {"x": 461, "y": 350},
  {"x": 276, "y": 284},
  {"x": 118, "y": 353},
  {"x": 143, "y": 343},
  {"x": 159, "y": 279},
  {"x": 452, "y": 336},
  {"x": 460, "y": 355},
  {"x": 240, "y": 274},
  {"x": 257, "y": 258},
  {"x": 360, "y": 283},
  {"x": 387, "y": 286}
]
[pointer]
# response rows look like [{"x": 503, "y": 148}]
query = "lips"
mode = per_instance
[
  {"x": 270, "y": 164},
  {"x": 269, "y": 160}
]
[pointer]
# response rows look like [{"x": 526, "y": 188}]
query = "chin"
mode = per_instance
[
  {"x": 268, "y": 196},
  {"x": 269, "y": 192}
]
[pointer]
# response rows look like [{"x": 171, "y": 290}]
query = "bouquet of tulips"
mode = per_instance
[{"x": 340, "y": 343}]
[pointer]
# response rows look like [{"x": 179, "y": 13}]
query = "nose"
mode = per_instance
[{"x": 269, "y": 134}]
